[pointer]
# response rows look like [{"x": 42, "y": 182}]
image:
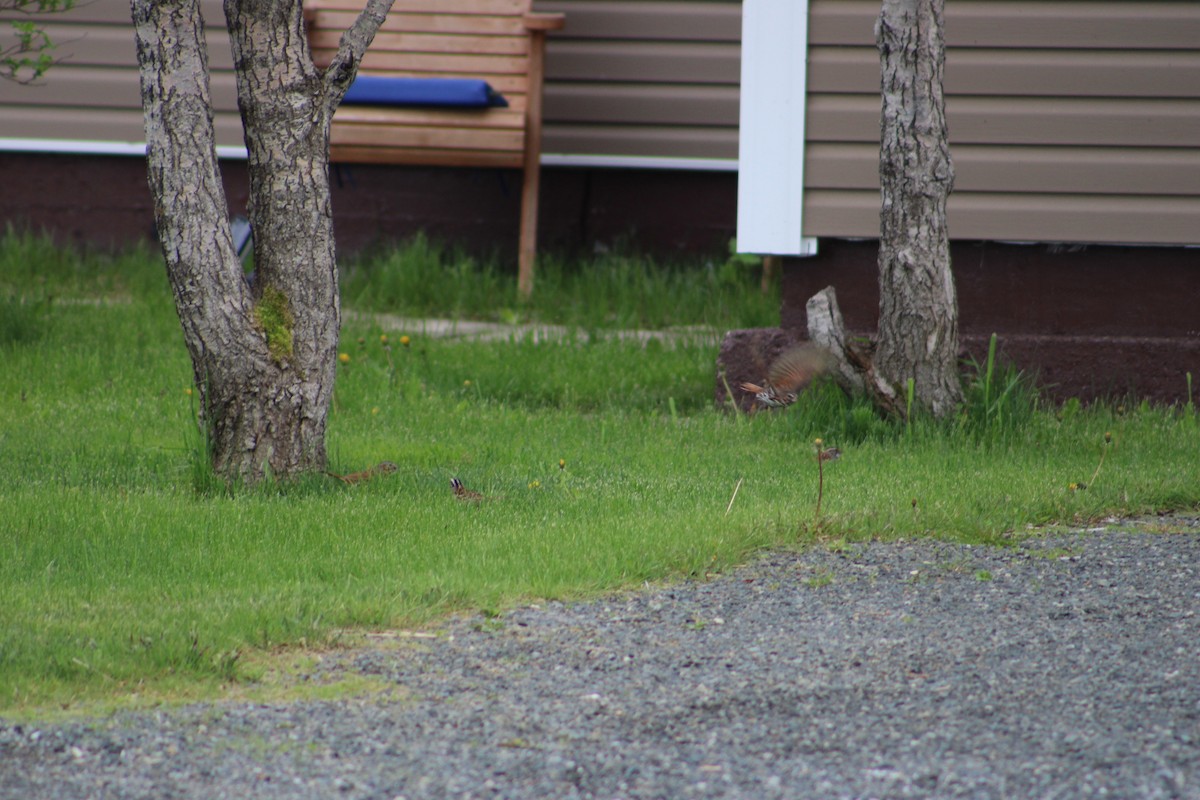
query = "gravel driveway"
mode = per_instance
[{"x": 1065, "y": 666}]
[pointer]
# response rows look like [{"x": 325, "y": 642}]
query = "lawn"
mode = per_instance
[{"x": 126, "y": 571}]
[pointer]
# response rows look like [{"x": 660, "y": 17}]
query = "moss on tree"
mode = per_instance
[{"x": 273, "y": 316}]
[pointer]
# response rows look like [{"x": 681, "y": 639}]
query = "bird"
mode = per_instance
[
  {"x": 382, "y": 468},
  {"x": 464, "y": 494},
  {"x": 789, "y": 374},
  {"x": 829, "y": 454}
]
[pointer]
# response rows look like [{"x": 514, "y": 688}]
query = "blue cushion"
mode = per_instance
[{"x": 438, "y": 92}]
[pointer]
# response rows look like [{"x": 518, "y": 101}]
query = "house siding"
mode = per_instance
[
  {"x": 94, "y": 94},
  {"x": 1069, "y": 121},
  {"x": 644, "y": 79}
]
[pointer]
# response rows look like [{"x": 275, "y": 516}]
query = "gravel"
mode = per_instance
[{"x": 1063, "y": 666}]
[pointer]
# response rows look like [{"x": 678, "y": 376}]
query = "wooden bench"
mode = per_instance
[{"x": 500, "y": 41}]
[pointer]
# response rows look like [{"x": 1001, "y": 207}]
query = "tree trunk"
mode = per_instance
[
  {"x": 264, "y": 355},
  {"x": 852, "y": 364},
  {"x": 286, "y": 128},
  {"x": 918, "y": 311}
]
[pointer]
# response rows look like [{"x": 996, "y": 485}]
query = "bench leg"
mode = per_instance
[
  {"x": 527, "y": 248},
  {"x": 533, "y": 166}
]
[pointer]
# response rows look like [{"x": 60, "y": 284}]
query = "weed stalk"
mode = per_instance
[
  {"x": 988, "y": 371},
  {"x": 737, "y": 412},
  {"x": 820, "y": 483},
  {"x": 1103, "y": 453},
  {"x": 729, "y": 507},
  {"x": 909, "y": 394}
]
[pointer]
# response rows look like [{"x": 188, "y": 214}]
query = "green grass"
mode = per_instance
[
  {"x": 614, "y": 290},
  {"x": 123, "y": 573}
]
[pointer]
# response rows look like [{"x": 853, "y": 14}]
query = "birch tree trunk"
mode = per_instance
[
  {"x": 918, "y": 309},
  {"x": 263, "y": 355}
]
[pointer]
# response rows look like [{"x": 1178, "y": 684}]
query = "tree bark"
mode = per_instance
[
  {"x": 286, "y": 128},
  {"x": 264, "y": 356},
  {"x": 918, "y": 310}
]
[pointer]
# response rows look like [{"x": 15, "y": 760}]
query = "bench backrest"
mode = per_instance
[{"x": 487, "y": 39}]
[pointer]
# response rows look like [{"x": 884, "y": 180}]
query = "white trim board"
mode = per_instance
[
  {"x": 79, "y": 147},
  {"x": 93, "y": 148},
  {"x": 640, "y": 162},
  {"x": 771, "y": 128}
]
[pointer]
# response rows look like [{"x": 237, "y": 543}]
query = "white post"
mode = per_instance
[{"x": 771, "y": 130}]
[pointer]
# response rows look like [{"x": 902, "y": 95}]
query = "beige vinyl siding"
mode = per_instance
[
  {"x": 1070, "y": 120},
  {"x": 654, "y": 79},
  {"x": 1047, "y": 24},
  {"x": 94, "y": 94}
]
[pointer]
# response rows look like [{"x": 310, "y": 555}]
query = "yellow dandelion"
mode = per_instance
[
  {"x": 1108, "y": 437},
  {"x": 534, "y": 484},
  {"x": 344, "y": 358},
  {"x": 467, "y": 382},
  {"x": 188, "y": 391},
  {"x": 562, "y": 463},
  {"x": 404, "y": 340},
  {"x": 818, "y": 442},
  {"x": 375, "y": 410},
  {"x": 383, "y": 338}
]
